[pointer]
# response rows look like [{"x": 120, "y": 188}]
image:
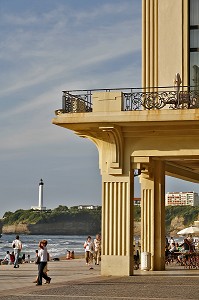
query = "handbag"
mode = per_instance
[{"x": 37, "y": 260}]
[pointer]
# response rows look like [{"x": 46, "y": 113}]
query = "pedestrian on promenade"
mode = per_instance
[
  {"x": 43, "y": 255},
  {"x": 37, "y": 261},
  {"x": 97, "y": 248},
  {"x": 45, "y": 242},
  {"x": 89, "y": 250},
  {"x": 17, "y": 246}
]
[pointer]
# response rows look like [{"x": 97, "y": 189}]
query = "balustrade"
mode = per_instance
[{"x": 133, "y": 99}]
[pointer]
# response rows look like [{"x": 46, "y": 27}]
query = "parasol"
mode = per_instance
[{"x": 189, "y": 230}]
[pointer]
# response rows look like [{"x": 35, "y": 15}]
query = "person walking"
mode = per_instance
[
  {"x": 89, "y": 249},
  {"x": 43, "y": 255},
  {"x": 17, "y": 245},
  {"x": 97, "y": 248}
]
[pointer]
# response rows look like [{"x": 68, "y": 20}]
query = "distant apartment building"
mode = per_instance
[
  {"x": 182, "y": 198},
  {"x": 88, "y": 207},
  {"x": 137, "y": 201}
]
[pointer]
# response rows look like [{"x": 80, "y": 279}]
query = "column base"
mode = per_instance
[
  {"x": 113, "y": 265},
  {"x": 158, "y": 263}
]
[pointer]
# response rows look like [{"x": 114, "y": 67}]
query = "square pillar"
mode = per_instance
[
  {"x": 117, "y": 225},
  {"x": 153, "y": 214}
]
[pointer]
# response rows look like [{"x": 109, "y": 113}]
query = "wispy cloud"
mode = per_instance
[
  {"x": 47, "y": 48},
  {"x": 51, "y": 52}
]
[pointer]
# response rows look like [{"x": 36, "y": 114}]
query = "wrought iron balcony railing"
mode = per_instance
[{"x": 186, "y": 97}]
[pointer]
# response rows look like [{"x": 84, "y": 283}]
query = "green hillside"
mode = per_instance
[
  {"x": 60, "y": 213},
  {"x": 63, "y": 213}
]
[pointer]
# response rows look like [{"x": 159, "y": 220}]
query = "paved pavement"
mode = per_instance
[{"x": 73, "y": 280}]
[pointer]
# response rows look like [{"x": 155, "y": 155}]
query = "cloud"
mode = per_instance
[
  {"x": 55, "y": 50},
  {"x": 48, "y": 62},
  {"x": 46, "y": 48}
]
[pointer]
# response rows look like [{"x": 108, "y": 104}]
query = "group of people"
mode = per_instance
[
  {"x": 93, "y": 250},
  {"x": 187, "y": 245},
  {"x": 8, "y": 259},
  {"x": 172, "y": 247},
  {"x": 42, "y": 256},
  {"x": 14, "y": 257}
]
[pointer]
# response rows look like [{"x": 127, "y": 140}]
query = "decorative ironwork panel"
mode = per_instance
[{"x": 161, "y": 99}]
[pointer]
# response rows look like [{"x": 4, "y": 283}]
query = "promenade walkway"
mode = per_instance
[{"x": 73, "y": 280}]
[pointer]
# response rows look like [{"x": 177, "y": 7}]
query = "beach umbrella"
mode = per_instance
[{"x": 189, "y": 230}]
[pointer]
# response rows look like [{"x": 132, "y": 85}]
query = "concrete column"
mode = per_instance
[
  {"x": 165, "y": 28},
  {"x": 117, "y": 225},
  {"x": 150, "y": 43},
  {"x": 153, "y": 214}
]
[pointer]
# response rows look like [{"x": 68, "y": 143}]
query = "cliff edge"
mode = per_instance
[{"x": 58, "y": 228}]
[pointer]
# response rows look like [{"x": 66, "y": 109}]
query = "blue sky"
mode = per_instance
[{"x": 47, "y": 46}]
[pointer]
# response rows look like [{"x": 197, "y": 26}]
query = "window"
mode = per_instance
[{"x": 194, "y": 44}]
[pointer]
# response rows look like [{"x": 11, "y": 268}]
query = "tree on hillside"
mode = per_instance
[{"x": 61, "y": 208}]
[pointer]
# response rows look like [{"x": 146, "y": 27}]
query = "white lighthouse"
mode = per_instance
[
  {"x": 40, "y": 205},
  {"x": 41, "y": 186}
]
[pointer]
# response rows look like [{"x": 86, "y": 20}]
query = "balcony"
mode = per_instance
[
  {"x": 133, "y": 99},
  {"x": 160, "y": 123}
]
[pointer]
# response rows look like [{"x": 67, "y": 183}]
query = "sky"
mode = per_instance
[{"x": 48, "y": 46}]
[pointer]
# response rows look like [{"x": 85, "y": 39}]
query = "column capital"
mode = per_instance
[{"x": 144, "y": 164}]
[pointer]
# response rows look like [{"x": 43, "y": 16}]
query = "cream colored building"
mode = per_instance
[{"x": 153, "y": 132}]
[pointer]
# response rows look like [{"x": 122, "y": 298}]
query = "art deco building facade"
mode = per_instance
[
  {"x": 153, "y": 132},
  {"x": 170, "y": 42}
]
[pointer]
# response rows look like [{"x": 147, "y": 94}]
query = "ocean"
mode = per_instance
[{"x": 57, "y": 244}]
